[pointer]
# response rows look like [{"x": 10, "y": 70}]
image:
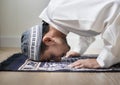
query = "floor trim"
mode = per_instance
[{"x": 6, "y": 41}]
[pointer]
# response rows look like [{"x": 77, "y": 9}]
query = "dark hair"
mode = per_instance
[{"x": 45, "y": 26}]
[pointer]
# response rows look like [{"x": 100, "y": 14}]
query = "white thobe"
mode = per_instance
[{"x": 88, "y": 18}]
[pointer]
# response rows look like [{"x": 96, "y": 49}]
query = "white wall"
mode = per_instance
[
  {"x": 0, "y": 17},
  {"x": 18, "y": 15},
  {"x": 0, "y": 13},
  {"x": 15, "y": 17}
]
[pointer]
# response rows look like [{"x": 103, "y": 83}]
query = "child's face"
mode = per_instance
[
  {"x": 55, "y": 52},
  {"x": 57, "y": 47}
]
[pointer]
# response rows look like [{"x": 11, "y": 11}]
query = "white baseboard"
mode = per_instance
[{"x": 6, "y": 41}]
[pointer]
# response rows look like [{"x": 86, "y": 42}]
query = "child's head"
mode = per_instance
[{"x": 43, "y": 43}]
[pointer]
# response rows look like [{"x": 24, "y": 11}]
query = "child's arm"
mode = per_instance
[{"x": 78, "y": 44}]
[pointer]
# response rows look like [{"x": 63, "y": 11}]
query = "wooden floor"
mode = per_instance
[{"x": 54, "y": 78}]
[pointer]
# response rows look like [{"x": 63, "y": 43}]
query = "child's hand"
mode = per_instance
[
  {"x": 85, "y": 63},
  {"x": 72, "y": 54}
]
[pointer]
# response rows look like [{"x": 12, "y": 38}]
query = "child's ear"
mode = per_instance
[{"x": 48, "y": 40}]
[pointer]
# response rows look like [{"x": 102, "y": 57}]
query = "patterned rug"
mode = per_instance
[{"x": 19, "y": 62}]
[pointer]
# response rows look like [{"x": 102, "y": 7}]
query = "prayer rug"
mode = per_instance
[{"x": 19, "y": 62}]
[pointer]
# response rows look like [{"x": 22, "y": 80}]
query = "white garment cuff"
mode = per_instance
[{"x": 106, "y": 59}]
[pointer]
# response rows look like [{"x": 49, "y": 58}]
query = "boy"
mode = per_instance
[{"x": 83, "y": 17}]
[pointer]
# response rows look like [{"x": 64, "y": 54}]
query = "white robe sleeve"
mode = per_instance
[
  {"x": 111, "y": 52},
  {"x": 80, "y": 44}
]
